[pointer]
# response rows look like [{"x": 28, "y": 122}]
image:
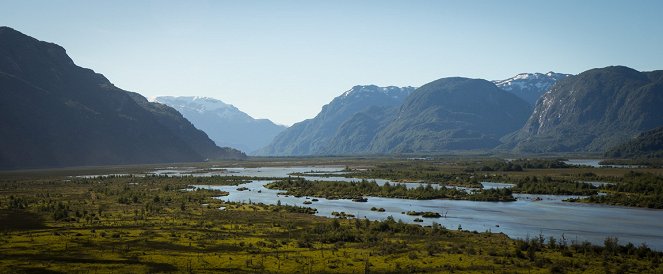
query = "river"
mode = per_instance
[{"x": 526, "y": 217}]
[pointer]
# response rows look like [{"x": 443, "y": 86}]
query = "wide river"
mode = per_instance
[{"x": 526, "y": 217}]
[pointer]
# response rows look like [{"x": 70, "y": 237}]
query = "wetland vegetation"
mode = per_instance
[
  {"x": 352, "y": 190},
  {"x": 51, "y": 223}
]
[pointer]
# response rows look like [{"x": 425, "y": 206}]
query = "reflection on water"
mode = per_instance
[{"x": 529, "y": 216}]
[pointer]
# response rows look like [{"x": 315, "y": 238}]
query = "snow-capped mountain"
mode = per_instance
[
  {"x": 224, "y": 123},
  {"x": 314, "y": 136},
  {"x": 530, "y": 86},
  {"x": 359, "y": 91}
]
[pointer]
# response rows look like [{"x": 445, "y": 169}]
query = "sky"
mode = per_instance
[{"x": 283, "y": 60}]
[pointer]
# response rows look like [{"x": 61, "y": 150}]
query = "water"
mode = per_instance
[
  {"x": 595, "y": 163},
  {"x": 530, "y": 216}
]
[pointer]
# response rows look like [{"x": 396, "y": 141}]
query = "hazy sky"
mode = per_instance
[{"x": 283, "y": 60}]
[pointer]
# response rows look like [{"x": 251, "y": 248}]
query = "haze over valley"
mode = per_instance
[{"x": 331, "y": 137}]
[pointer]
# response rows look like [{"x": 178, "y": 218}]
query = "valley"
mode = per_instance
[
  {"x": 194, "y": 218},
  {"x": 331, "y": 137}
]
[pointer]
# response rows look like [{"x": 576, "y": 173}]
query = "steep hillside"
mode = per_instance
[
  {"x": 593, "y": 111},
  {"x": 647, "y": 145},
  {"x": 57, "y": 114}
]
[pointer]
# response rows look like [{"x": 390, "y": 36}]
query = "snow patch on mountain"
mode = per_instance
[
  {"x": 368, "y": 90},
  {"x": 530, "y": 86},
  {"x": 224, "y": 123}
]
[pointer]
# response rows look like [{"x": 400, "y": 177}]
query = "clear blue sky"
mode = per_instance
[{"x": 283, "y": 60}]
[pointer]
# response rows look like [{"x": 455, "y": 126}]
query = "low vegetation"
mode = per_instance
[
  {"x": 55, "y": 224},
  {"x": 547, "y": 185},
  {"x": 352, "y": 190},
  {"x": 635, "y": 189}
]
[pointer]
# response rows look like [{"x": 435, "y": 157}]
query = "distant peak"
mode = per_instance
[
  {"x": 388, "y": 90},
  {"x": 198, "y": 103},
  {"x": 529, "y": 76},
  {"x": 4, "y": 29}
]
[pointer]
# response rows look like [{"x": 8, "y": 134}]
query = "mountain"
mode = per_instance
[
  {"x": 452, "y": 114},
  {"x": 530, "y": 86},
  {"x": 593, "y": 111},
  {"x": 649, "y": 144},
  {"x": 313, "y": 136},
  {"x": 56, "y": 114},
  {"x": 356, "y": 134},
  {"x": 224, "y": 123}
]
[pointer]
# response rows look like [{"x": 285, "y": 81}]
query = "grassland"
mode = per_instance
[{"x": 52, "y": 223}]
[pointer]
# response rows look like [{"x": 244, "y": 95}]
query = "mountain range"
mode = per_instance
[
  {"x": 224, "y": 123},
  {"x": 56, "y": 114},
  {"x": 447, "y": 114},
  {"x": 590, "y": 112}
]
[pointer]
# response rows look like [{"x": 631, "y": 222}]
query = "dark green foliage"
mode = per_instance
[
  {"x": 55, "y": 113},
  {"x": 541, "y": 163},
  {"x": 420, "y": 171},
  {"x": 346, "y": 190},
  {"x": 521, "y": 164},
  {"x": 648, "y": 145},
  {"x": 546, "y": 185},
  {"x": 634, "y": 189}
]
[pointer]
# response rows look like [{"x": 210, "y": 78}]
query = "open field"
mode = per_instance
[{"x": 52, "y": 223}]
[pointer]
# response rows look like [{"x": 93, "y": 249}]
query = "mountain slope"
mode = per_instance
[
  {"x": 452, "y": 114},
  {"x": 224, "y": 123},
  {"x": 530, "y": 86},
  {"x": 56, "y": 114},
  {"x": 593, "y": 111},
  {"x": 649, "y": 144},
  {"x": 356, "y": 134},
  {"x": 313, "y": 136}
]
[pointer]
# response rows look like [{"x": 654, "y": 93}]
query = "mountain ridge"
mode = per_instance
[{"x": 57, "y": 114}]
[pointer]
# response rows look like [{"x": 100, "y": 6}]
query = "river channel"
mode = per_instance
[{"x": 529, "y": 216}]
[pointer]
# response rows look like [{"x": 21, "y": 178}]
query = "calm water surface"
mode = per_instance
[
  {"x": 595, "y": 163},
  {"x": 527, "y": 217}
]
